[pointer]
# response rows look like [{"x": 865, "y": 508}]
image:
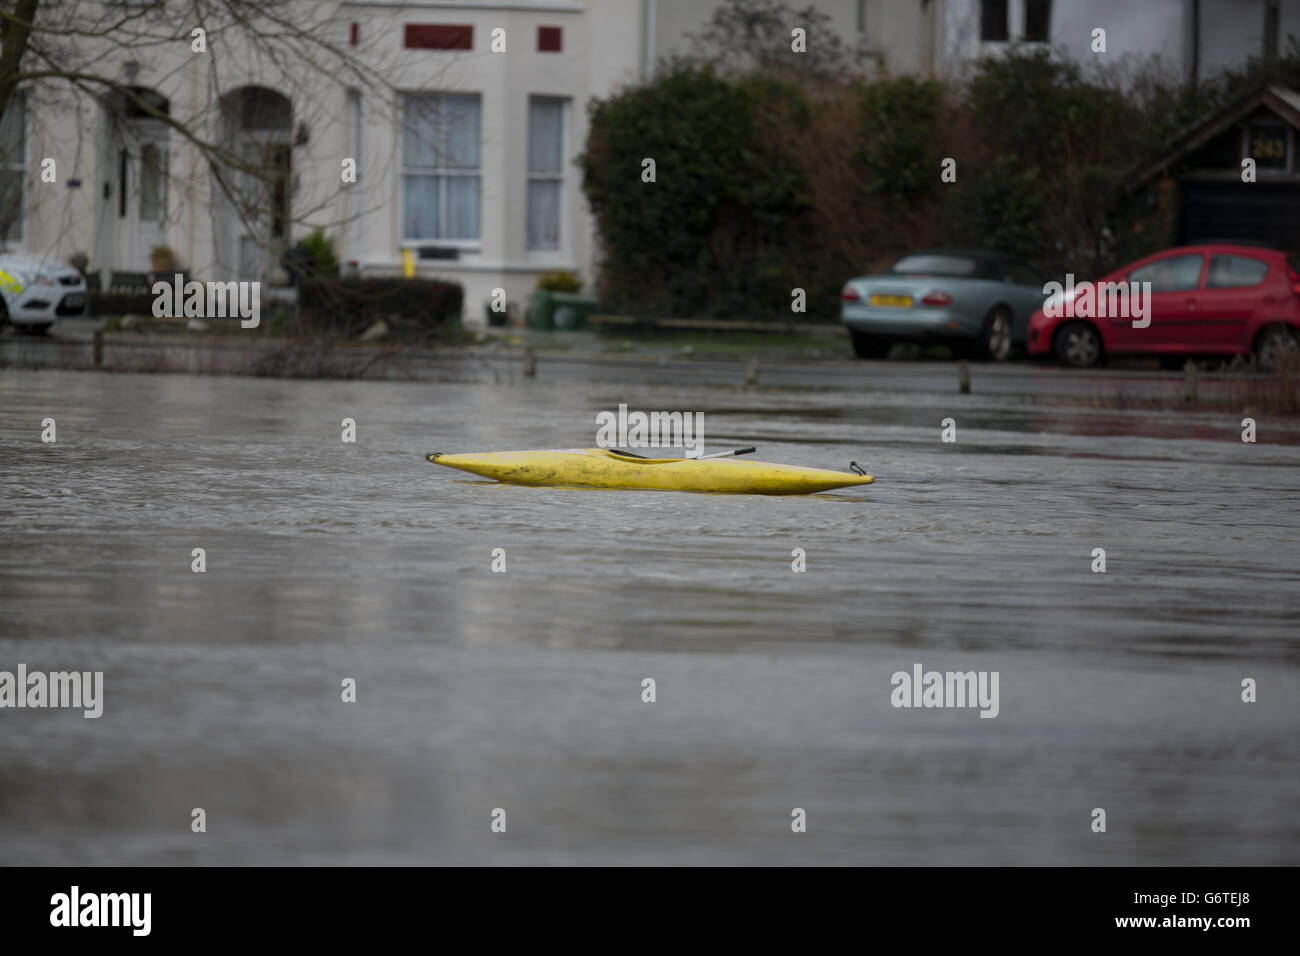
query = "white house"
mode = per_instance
[
  {"x": 1193, "y": 39},
  {"x": 463, "y": 119}
]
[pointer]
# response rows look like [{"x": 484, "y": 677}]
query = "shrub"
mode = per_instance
[
  {"x": 347, "y": 307},
  {"x": 324, "y": 263},
  {"x": 1001, "y": 208},
  {"x": 709, "y": 236},
  {"x": 755, "y": 35},
  {"x": 559, "y": 281},
  {"x": 898, "y": 129},
  {"x": 1047, "y": 196},
  {"x": 119, "y": 303},
  {"x": 163, "y": 259}
]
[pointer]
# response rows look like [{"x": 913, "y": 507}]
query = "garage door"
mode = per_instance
[{"x": 1260, "y": 212}]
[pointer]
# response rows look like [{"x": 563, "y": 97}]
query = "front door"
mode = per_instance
[
  {"x": 139, "y": 214},
  {"x": 264, "y": 236}
]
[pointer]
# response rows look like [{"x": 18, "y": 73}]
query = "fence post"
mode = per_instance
[{"x": 530, "y": 363}]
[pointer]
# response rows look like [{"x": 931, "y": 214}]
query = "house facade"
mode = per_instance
[
  {"x": 442, "y": 130},
  {"x": 1193, "y": 39},
  {"x": 454, "y": 138},
  {"x": 460, "y": 123}
]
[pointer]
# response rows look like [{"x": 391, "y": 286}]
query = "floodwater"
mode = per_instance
[{"x": 521, "y": 691}]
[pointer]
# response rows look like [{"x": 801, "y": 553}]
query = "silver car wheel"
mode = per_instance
[
  {"x": 1079, "y": 345},
  {"x": 1274, "y": 342},
  {"x": 997, "y": 341}
]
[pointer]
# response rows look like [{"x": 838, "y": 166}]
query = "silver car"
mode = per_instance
[
  {"x": 36, "y": 292},
  {"x": 976, "y": 301}
]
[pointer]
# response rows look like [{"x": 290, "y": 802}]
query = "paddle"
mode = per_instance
[
  {"x": 724, "y": 454},
  {"x": 720, "y": 454}
]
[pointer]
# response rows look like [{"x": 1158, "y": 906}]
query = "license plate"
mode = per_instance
[
  {"x": 74, "y": 301},
  {"x": 901, "y": 301}
]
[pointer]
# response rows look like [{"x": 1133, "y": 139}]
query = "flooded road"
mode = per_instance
[{"x": 522, "y": 691}]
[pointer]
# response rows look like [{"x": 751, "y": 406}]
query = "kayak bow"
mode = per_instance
[{"x": 601, "y": 468}]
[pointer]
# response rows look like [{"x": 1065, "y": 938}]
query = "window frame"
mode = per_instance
[
  {"x": 440, "y": 37},
  {"x": 1047, "y": 22},
  {"x": 1261, "y": 124},
  {"x": 1006, "y": 21},
  {"x": 544, "y": 34},
  {"x": 1209, "y": 271},
  {"x": 440, "y": 172},
  {"x": 1200, "y": 275},
  {"x": 556, "y": 177}
]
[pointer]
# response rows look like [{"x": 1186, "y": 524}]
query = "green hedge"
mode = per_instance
[
  {"x": 347, "y": 307},
  {"x": 708, "y": 236},
  {"x": 764, "y": 185}
]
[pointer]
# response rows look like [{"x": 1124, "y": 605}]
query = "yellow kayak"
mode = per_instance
[{"x": 601, "y": 468}]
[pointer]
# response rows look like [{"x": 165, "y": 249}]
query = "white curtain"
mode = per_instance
[
  {"x": 459, "y": 133},
  {"x": 545, "y": 136},
  {"x": 462, "y": 207},
  {"x": 441, "y": 154},
  {"x": 418, "y": 136},
  {"x": 545, "y": 172},
  {"x": 543, "y": 214},
  {"x": 421, "y": 207}
]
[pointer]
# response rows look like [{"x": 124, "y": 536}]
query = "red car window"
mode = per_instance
[
  {"x": 1171, "y": 274},
  {"x": 1235, "y": 272}
]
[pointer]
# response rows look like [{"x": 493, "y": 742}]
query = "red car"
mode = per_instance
[{"x": 1207, "y": 300}]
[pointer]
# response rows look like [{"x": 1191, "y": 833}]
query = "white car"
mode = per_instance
[{"x": 35, "y": 291}]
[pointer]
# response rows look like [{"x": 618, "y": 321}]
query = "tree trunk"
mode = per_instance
[{"x": 15, "y": 27}]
